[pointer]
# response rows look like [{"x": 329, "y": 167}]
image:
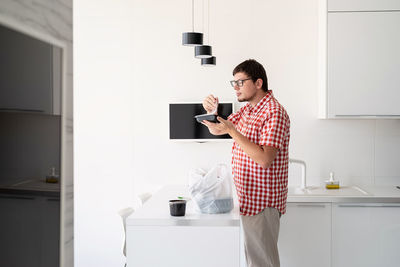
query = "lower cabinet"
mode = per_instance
[
  {"x": 340, "y": 235},
  {"x": 305, "y": 235},
  {"x": 183, "y": 246},
  {"x": 50, "y": 232},
  {"x": 19, "y": 235},
  {"x": 29, "y": 231},
  {"x": 365, "y": 235},
  {"x": 311, "y": 235}
]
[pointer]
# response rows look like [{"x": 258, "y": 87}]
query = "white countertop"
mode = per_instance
[
  {"x": 363, "y": 194},
  {"x": 156, "y": 210},
  {"x": 383, "y": 191}
]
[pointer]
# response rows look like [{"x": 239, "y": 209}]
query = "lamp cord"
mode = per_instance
[
  {"x": 192, "y": 15},
  {"x": 202, "y": 13},
  {"x": 208, "y": 24}
]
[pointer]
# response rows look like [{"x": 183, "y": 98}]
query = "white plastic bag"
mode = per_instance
[{"x": 211, "y": 191}]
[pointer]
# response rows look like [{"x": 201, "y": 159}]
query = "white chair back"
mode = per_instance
[
  {"x": 124, "y": 213},
  {"x": 144, "y": 197}
]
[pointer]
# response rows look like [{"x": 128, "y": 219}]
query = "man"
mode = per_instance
[{"x": 260, "y": 159}]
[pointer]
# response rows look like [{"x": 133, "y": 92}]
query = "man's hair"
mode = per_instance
[{"x": 254, "y": 70}]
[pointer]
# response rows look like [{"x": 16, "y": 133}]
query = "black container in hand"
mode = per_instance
[{"x": 177, "y": 207}]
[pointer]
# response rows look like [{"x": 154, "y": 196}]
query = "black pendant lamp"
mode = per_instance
[
  {"x": 203, "y": 51},
  {"x": 209, "y": 62},
  {"x": 192, "y": 38}
]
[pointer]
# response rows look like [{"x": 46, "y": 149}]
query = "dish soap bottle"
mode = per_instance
[
  {"x": 331, "y": 183},
  {"x": 53, "y": 177}
]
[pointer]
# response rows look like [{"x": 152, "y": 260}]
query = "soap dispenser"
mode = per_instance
[
  {"x": 331, "y": 183},
  {"x": 53, "y": 177}
]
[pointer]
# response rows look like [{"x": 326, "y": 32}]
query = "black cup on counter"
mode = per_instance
[{"x": 177, "y": 207}]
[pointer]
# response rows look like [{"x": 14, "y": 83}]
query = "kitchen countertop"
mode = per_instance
[
  {"x": 32, "y": 187},
  {"x": 156, "y": 211},
  {"x": 352, "y": 194}
]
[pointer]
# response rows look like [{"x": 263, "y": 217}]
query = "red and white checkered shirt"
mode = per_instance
[{"x": 257, "y": 188}]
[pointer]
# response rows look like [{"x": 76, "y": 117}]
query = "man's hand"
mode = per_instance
[
  {"x": 224, "y": 127},
  {"x": 263, "y": 155},
  {"x": 210, "y": 104}
]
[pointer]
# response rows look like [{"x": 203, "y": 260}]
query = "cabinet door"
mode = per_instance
[
  {"x": 26, "y": 73},
  {"x": 183, "y": 246},
  {"x": 50, "y": 210},
  {"x": 305, "y": 235},
  {"x": 363, "y": 64},
  {"x": 19, "y": 231},
  {"x": 365, "y": 235}
]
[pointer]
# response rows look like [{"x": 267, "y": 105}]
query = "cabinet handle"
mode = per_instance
[
  {"x": 362, "y": 11},
  {"x": 20, "y": 109},
  {"x": 312, "y": 205},
  {"x": 53, "y": 199},
  {"x": 370, "y": 116},
  {"x": 369, "y": 205},
  {"x": 15, "y": 197}
]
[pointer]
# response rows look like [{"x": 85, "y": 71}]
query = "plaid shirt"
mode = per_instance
[{"x": 257, "y": 188}]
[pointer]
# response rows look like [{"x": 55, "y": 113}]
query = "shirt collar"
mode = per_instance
[{"x": 260, "y": 103}]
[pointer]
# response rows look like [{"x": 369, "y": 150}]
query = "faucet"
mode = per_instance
[{"x": 303, "y": 171}]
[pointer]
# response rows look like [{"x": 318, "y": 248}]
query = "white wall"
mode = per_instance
[
  {"x": 131, "y": 64},
  {"x": 103, "y": 128},
  {"x": 283, "y": 36}
]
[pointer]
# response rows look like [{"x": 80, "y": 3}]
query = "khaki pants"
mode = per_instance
[{"x": 261, "y": 238}]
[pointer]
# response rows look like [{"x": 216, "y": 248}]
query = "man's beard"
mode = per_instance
[{"x": 245, "y": 99}]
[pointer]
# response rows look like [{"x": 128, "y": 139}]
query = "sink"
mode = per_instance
[{"x": 322, "y": 191}]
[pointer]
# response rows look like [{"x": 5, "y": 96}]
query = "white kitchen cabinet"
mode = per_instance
[
  {"x": 315, "y": 231},
  {"x": 30, "y": 73},
  {"x": 365, "y": 235},
  {"x": 360, "y": 59},
  {"x": 182, "y": 246},
  {"x": 155, "y": 238},
  {"x": 305, "y": 235}
]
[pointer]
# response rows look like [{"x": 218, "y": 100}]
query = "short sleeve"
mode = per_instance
[{"x": 275, "y": 130}]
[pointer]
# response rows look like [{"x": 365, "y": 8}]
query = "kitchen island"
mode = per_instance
[
  {"x": 155, "y": 238},
  {"x": 350, "y": 227}
]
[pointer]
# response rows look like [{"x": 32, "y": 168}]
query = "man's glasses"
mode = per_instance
[{"x": 238, "y": 82}]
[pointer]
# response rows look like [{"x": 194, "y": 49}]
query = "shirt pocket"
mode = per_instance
[{"x": 253, "y": 131}]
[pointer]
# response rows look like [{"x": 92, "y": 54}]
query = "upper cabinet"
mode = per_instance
[
  {"x": 359, "y": 59},
  {"x": 30, "y": 72}
]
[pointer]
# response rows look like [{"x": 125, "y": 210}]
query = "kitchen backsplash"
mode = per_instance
[{"x": 30, "y": 146}]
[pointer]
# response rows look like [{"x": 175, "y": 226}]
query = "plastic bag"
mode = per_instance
[{"x": 211, "y": 191}]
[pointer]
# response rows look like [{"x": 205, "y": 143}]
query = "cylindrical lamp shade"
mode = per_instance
[
  {"x": 211, "y": 61},
  {"x": 192, "y": 38},
  {"x": 203, "y": 51}
]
